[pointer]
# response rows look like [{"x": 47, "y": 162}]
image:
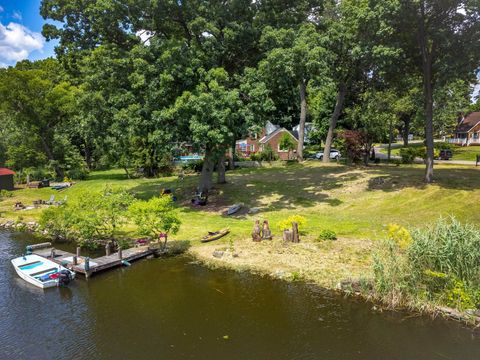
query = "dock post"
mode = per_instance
[
  {"x": 74, "y": 260},
  {"x": 52, "y": 253},
  {"x": 120, "y": 255},
  {"x": 78, "y": 251},
  {"x": 108, "y": 249},
  {"x": 87, "y": 265}
]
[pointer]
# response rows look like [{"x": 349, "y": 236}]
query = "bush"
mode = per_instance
[
  {"x": 267, "y": 154},
  {"x": 5, "y": 194},
  {"x": 193, "y": 166},
  {"x": 287, "y": 223},
  {"x": 409, "y": 154},
  {"x": 326, "y": 234},
  {"x": 93, "y": 216},
  {"x": 439, "y": 264},
  {"x": 155, "y": 216}
]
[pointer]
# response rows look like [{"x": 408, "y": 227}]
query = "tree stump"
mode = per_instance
[
  {"x": 295, "y": 237},
  {"x": 256, "y": 233},
  {"x": 287, "y": 235},
  {"x": 266, "y": 233}
]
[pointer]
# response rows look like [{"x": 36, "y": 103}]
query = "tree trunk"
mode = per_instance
[
  {"x": 427, "y": 50},
  {"x": 390, "y": 139},
  {"x": 342, "y": 91},
  {"x": 88, "y": 157},
  {"x": 221, "y": 170},
  {"x": 207, "y": 172},
  {"x": 125, "y": 168},
  {"x": 303, "y": 118},
  {"x": 231, "y": 160},
  {"x": 406, "y": 130}
]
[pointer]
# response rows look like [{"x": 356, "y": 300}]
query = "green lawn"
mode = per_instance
[
  {"x": 468, "y": 153},
  {"x": 354, "y": 202}
]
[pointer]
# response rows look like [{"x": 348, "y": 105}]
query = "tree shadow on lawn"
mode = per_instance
[
  {"x": 269, "y": 189},
  {"x": 390, "y": 179},
  {"x": 107, "y": 175}
]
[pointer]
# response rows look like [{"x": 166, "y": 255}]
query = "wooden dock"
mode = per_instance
[{"x": 78, "y": 264}]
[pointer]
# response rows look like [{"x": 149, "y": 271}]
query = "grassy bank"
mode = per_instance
[{"x": 355, "y": 202}]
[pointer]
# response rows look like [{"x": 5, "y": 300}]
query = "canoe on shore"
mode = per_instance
[{"x": 215, "y": 235}]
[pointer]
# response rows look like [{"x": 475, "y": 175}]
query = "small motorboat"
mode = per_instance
[
  {"x": 215, "y": 235},
  {"x": 234, "y": 208},
  {"x": 42, "y": 272}
]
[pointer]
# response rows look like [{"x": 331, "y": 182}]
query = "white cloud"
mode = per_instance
[
  {"x": 17, "y": 42},
  {"x": 476, "y": 92},
  {"x": 17, "y": 15}
]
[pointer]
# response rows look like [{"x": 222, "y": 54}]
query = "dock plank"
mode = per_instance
[{"x": 96, "y": 264}]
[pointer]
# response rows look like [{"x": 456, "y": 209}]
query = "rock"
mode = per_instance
[{"x": 218, "y": 254}]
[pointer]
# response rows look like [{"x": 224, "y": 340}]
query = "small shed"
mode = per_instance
[{"x": 6, "y": 179}]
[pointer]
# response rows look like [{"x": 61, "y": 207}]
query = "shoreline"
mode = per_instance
[{"x": 292, "y": 263}]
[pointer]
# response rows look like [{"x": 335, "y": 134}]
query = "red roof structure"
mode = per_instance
[{"x": 5, "y": 171}]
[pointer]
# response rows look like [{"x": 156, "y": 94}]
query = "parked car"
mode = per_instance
[
  {"x": 445, "y": 154},
  {"x": 334, "y": 154}
]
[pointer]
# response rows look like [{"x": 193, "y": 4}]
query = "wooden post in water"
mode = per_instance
[
  {"x": 295, "y": 237},
  {"x": 120, "y": 255}
]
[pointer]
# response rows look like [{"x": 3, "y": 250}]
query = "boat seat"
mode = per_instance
[
  {"x": 28, "y": 264},
  {"x": 43, "y": 272}
]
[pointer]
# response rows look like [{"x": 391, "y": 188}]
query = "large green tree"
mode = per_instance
[{"x": 440, "y": 42}]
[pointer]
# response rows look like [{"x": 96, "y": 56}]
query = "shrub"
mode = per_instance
[
  {"x": 155, "y": 216},
  {"x": 326, "y": 234},
  {"x": 439, "y": 264},
  {"x": 93, "y": 216},
  {"x": 267, "y": 154},
  {"x": 287, "y": 223},
  {"x": 5, "y": 194},
  {"x": 193, "y": 166},
  {"x": 409, "y": 154}
]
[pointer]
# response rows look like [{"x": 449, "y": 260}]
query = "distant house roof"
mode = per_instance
[
  {"x": 468, "y": 122},
  {"x": 267, "y": 138},
  {"x": 5, "y": 171}
]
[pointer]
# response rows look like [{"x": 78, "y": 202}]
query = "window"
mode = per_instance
[
  {"x": 252, "y": 147},
  {"x": 243, "y": 147},
  {"x": 254, "y": 136}
]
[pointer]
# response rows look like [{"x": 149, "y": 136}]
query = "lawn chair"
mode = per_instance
[
  {"x": 62, "y": 202},
  {"x": 51, "y": 201}
]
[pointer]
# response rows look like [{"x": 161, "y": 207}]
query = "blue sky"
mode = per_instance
[{"x": 20, "y": 32}]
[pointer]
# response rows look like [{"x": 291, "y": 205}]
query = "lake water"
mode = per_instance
[{"x": 175, "y": 309}]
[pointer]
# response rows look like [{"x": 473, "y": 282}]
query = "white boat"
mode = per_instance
[{"x": 42, "y": 272}]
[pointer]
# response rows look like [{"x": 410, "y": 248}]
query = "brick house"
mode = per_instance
[
  {"x": 467, "y": 131},
  {"x": 270, "y": 135}
]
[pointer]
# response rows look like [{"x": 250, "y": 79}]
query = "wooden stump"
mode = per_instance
[
  {"x": 256, "y": 233},
  {"x": 295, "y": 237},
  {"x": 266, "y": 233},
  {"x": 287, "y": 235}
]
